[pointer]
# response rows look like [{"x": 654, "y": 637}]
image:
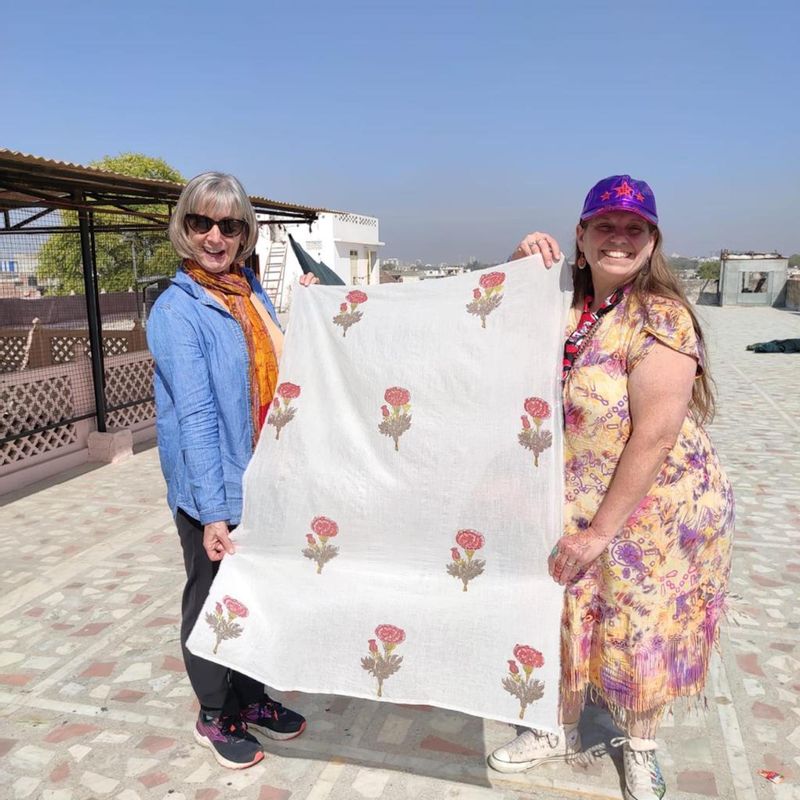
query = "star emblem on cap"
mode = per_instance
[
  {"x": 640, "y": 197},
  {"x": 605, "y": 196},
  {"x": 624, "y": 189}
]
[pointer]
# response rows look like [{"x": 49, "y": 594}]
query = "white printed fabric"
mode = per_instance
[{"x": 403, "y": 498}]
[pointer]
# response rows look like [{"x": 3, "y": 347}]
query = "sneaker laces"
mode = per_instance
[
  {"x": 271, "y": 708},
  {"x": 232, "y": 725},
  {"x": 640, "y": 761}
]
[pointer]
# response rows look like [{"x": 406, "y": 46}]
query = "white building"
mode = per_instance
[{"x": 347, "y": 243}]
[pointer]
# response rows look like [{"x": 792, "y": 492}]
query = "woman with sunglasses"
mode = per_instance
[
  {"x": 648, "y": 517},
  {"x": 216, "y": 342}
]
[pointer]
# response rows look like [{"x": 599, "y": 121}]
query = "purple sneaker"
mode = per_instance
[
  {"x": 227, "y": 738},
  {"x": 273, "y": 720}
]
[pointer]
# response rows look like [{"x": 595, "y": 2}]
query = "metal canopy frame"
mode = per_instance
[{"x": 45, "y": 186}]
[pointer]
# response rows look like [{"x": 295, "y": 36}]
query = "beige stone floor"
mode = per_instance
[{"x": 94, "y": 702}]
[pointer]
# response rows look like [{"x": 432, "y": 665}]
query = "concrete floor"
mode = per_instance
[{"x": 94, "y": 702}]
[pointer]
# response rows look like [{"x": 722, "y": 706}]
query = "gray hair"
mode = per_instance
[{"x": 213, "y": 193}]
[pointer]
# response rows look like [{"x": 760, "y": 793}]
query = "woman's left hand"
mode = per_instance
[
  {"x": 574, "y": 554},
  {"x": 308, "y": 279}
]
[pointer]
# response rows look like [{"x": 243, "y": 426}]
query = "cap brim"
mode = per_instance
[{"x": 619, "y": 207}]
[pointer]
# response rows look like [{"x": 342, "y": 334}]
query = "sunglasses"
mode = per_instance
[{"x": 227, "y": 227}]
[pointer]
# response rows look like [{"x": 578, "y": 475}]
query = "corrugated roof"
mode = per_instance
[{"x": 23, "y": 177}]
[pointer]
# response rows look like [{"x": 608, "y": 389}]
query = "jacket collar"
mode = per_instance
[{"x": 184, "y": 282}]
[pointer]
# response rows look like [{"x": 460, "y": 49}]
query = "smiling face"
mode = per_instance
[
  {"x": 214, "y": 252},
  {"x": 616, "y": 246}
]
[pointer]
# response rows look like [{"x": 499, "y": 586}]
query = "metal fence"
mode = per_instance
[{"x": 47, "y": 375}]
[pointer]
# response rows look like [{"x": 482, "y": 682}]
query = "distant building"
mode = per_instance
[
  {"x": 347, "y": 243},
  {"x": 752, "y": 279},
  {"x": 18, "y": 275}
]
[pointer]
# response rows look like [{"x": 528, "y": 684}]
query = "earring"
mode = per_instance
[{"x": 581, "y": 262}]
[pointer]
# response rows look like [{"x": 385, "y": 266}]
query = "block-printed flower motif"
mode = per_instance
[
  {"x": 282, "y": 409},
  {"x": 225, "y": 625},
  {"x": 534, "y": 438},
  {"x": 382, "y": 663},
  {"x": 349, "y": 312},
  {"x": 320, "y": 550},
  {"x": 523, "y": 685},
  {"x": 397, "y": 421},
  {"x": 465, "y": 569},
  {"x": 486, "y": 301}
]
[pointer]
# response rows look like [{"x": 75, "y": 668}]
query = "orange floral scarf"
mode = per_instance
[{"x": 234, "y": 291}]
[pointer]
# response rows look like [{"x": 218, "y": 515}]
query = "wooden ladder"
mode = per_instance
[{"x": 274, "y": 270}]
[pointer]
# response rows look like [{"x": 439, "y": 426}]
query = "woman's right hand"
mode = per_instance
[
  {"x": 541, "y": 244},
  {"x": 216, "y": 540}
]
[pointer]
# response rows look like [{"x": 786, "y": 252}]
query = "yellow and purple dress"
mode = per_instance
[{"x": 640, "y": 625}]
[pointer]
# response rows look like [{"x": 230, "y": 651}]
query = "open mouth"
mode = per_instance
[{"x": 617, "y": 254}]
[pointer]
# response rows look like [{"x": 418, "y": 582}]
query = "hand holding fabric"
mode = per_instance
[
  {"x": 574, "y": 554},
  {"x": 541, "y": 244},
  {"x": 216, "y": 540}
]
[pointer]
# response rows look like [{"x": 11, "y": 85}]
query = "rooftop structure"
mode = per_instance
[{"x": 94, "y": 701}]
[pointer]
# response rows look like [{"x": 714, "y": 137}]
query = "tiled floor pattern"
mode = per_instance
[{"x": 94, "y": 702}]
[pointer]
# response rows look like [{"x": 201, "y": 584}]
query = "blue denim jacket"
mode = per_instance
[{"x": 202, "y": 391}]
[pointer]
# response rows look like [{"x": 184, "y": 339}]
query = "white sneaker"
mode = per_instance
[
  {"x": 643, "y": 778},
  {"x": 533, "y": 747}
]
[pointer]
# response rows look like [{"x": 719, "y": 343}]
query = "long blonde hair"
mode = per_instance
[{"x": 656, "y": 278}]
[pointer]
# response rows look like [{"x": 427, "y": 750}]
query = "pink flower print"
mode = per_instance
[
  {"x": 484, "y": 304},
  {"x": 396, "y": 396},
  {"x": 526, "y": 689},
  {"x": 225, "y": 625},
  {"x": 538, "y": 409},
  {"x": 288, "y": 391},
  {"x": 382, "y": 665},
  {"x": 321, "y": 552},
  {"x": 535, "y": 439},
  {"x": 397, "y": 421},
  {"x": 492, "y": 280},
  {"x": 350, "y": 314},
  {"x": 235, "y": 608},
  {"x": 324, "y": 528},
  {"x": 528, "y": 657},
  {"x": 283, "y": 414},
  {"x": 390, "y": 634},
  {"x": 470, "y": 540},
  {"x": 466, "y": 569}
]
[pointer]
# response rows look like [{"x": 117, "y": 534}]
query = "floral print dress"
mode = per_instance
[{"x": 639, "y": 626}]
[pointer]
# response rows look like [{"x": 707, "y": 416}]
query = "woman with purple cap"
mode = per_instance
[{"x": 648, "y": 522}]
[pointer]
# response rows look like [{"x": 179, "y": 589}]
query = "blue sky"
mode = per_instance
[{"x": 461, "y": 125}]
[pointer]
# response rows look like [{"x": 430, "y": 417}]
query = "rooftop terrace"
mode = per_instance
[{"x": 94, "y": 702}]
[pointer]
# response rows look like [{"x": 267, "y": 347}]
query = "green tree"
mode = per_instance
[
  {"x": 709, "y": 270},
  {"x": 60, "y": 263},
  {"x": 794, "y": 260}
]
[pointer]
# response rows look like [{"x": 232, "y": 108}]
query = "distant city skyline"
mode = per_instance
[{"x": 460, "y": 126}]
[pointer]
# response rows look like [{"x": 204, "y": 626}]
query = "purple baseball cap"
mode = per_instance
[{"x": 620, "y": 193}]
